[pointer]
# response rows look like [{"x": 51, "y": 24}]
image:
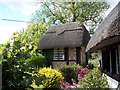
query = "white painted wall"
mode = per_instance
[{"x": 112, "y": 82}]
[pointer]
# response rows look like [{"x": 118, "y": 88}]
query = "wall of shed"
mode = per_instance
[
  {"x": 58, "y": 64},
  {"x": 72, "y": 53},
  {"x": 72, "y": 58},
  {"x": 83, "y": 56},
  {"x": 112, "y": 82}
]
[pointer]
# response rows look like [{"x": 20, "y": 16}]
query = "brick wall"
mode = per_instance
[
  {"x": 72, "y": 53},
  {"x": 58, "y": 64},
  {"x": 72, "y": 58}
]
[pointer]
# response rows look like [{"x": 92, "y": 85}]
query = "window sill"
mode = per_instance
[
  {"x": 58, "y": 60},
  {"x": 114, "y": 76}
]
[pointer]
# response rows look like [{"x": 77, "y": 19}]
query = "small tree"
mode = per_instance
[{"x": 20, "y": 61}]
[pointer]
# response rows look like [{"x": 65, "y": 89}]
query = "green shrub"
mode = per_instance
[
  {"x": 70, "y": 72},
  {"x": 94, "y": 79},
  {"x": 20, "y": 61},
  {"x": 51, "y": 76},
  {"x": 90, "y": 65}
]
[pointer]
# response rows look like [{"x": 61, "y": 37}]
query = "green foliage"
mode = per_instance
[
  {"x": 51, "y": 13},
  {"x": 70, "y": 72},
  {"x": 49, "y": 53},
  {"x": 51, "y": 76},
  {"x": 34, "y": 32},
  {"x": 90, "y": 13},
  {"x": 94, "y": 79},
  {"x": 90, "y": 65},
  {"x": 93, "y": 60},
  {"x": 20, "y": 61}
]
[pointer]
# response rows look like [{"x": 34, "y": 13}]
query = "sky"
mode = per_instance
[{"x": 22, "y": 10}]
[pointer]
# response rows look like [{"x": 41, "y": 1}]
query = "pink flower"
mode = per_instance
[
  {"x": 85, "y": 70},
  {"x": 62, "y": 84},
  {"x": 67, "y": 85},
  {"x": 78, "y": 68},
  {"x": 73, "y": 81},
  {"x": 80, "y": 76}
]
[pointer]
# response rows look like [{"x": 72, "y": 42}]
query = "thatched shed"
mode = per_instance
[
  {"x": 68, "y": 42},
  {"x": 106, "y": 40},
  {"x": 108, "y": 32}
]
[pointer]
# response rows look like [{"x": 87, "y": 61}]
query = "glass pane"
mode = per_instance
[{"x": 58, "y": 54}]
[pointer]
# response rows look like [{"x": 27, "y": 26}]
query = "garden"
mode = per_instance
[{"x": 25, "y": 68}]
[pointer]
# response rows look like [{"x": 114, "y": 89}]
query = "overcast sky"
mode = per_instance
[{"x": 21, "y": 10}]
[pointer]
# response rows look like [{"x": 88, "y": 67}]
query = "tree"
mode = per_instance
[
  {"x": 90, "y": 13},
  {"x": 52, "y": 13},
  {"x": 34, "y": 32}
]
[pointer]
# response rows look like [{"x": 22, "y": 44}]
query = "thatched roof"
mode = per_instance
[
  {"x": 108, "y": 32},
  {"x": 72, "y": 34}
]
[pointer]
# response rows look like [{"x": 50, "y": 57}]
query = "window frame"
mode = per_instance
[
  {"x": 59, "y": 52},
  {"x": 113, "y": 60}
]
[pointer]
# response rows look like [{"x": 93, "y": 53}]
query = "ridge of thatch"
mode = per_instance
[
  {"x": 72, "y": 34},
  {"x": 108, "y": 31}
]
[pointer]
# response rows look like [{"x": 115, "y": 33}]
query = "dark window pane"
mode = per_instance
[{"x": 113, "y": 60}]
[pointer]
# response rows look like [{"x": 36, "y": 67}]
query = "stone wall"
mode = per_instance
[
  {"x": 59, "y": 64},
  {"x": 72, "y": 62}
]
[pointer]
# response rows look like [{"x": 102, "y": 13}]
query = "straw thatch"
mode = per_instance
[
  {"x": 73, "y": 34},
  {"x": 108, "y": 32}
]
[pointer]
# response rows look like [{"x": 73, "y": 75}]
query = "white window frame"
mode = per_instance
[{"x": 59, "y": 54}]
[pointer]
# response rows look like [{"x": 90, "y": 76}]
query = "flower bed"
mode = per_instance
[{"x": 78, "y": 77}]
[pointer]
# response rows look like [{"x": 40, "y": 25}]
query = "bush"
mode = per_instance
[
  {"x": 90, "y": 65},
  {"x": 94, "y": 79},
  {"x": 70, "y": 72},
  {"x": 87, "y": 80},
  {"x": 51, "y": 76},
  {"x": 20, "y": 62},
  {"x": 77, "y": 77}
]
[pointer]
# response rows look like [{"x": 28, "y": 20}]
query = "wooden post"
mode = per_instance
[
  {"x": 67, "y": 55},
  {"x": 78, "y": 55}
]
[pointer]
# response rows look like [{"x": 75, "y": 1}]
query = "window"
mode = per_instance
[
  {"x": 111, "y": 61},
  {"x": 59, "y": 54},
  {"x": 118, "y": 60},
  {"x": 106, "y": 60}
]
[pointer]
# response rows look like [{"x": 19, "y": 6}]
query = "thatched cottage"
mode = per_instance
[
  {"x": 106, "y": 40},
  {"x": 65, "y": 44}
]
